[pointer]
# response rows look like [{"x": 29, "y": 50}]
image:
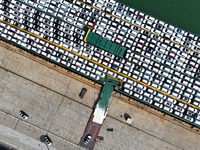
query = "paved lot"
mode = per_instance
[
  {"x": 51, "y": 100},
  {"x": 18, "y": 141},
  {"x": 151, "y": 130}
]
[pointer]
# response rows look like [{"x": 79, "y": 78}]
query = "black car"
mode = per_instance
[
  {"x": 47, "y": 140},
  {"x": 87, "y": 139},
  {"x": 23, "y": 114},
  {"x": 82, "y": 93}
]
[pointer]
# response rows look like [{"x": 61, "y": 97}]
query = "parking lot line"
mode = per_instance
[
  {"x": 137, "y": 26},
  {"x": 102, "y": 65}
]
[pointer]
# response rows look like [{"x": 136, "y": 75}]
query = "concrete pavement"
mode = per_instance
[{"x": 49, "y": 95}]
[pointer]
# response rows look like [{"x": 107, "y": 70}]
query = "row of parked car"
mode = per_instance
[
  {"x": 139, "y": 41},
  {"x": 148, "y": 23},
  {"x": 143, "y": 40},
  {"x": 50, "y": 51},
  {"x": 40, "y": 24},
  {"x": 69, "y": 29},
  {"x": 166, "y": 53},
  {"x": 80, "y": 14},
  {"x": 172, "y": 73},
  {"x": 68, "y": 10},
  {"x": 162, "y": 101},
  {"x": 107, "y": 26},
  {"x": 128, "y": 66}
]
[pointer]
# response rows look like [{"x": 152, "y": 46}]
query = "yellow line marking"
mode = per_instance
[
  {"x": 86, "y": 36},
  {"x": 136, "y": 26},
  {"x": 103, "y": 66},
  {"x": 111, "y": 77}
]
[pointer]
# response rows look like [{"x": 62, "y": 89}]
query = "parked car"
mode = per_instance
[
  {"x": 128, "y": 86},
  {"x": 191, "y": 119},
  {"x": 23, "y": 114},
  {"x": 94, "y": 76},
  {"x": 150, "y": 101},
  {"x": 48, "y": 140},
  {"x": 82, "y": 93},
  {"x": 87, "y": 139},
  {"x": 166, "y": 108},
  {"x": 158, "y": 105},
  {"x": 178, "y": 113}
]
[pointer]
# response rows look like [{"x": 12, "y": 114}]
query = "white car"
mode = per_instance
[
  {"x": 75, "y": 57},
  {"x": 87, "y": 73},
  {"x": 96, "y": 59},
  {"x": 45, "y": 54},
  {"x": 6, "y": 36},
  {"x": 108, "y": 59},
  {"x": 178, "y": 113},
  {"x": 102, "y": 69},
  {"x": 137, "y": 95},
  {"x": 150, "y": 101},
  {"x": 99, "y": 50},
  {"x": 166, "y": 108},
  {"x": 192, "y": 109},
  {"x": 36, "y": 50},
  {"x": 79, "y": 64},
  {"x": 112, "y": 74},
  {"x": 142, "y": 87},
  {"x": 122, "y": 78},
  {"x": 65, "y": 63},
  {"x": 179, "y": 109},
  {"x": 158, "y": 99},
  {"x": 99, "y": 73},
  {"x": 83, "y": 61},
  {"x": 92, "y": 65},
  {"x": 23, "y": 114},
  {"x": 171, "y": 100},
  {"x": 26, "y": 45},
  {"x": 197, "y": 122},
  {"x": 55, "y": 59},
  {"x": 94, "y": 76},
  {"x": 98, "y": 55},
  {"x": 106, "y": 64},
  {"x": 118, "y": 64},
  {"x": 90, "y": 69},
  {"x": 166, "y": 103},
  {"x": 158, "y": 105},
  {"x": 138, "y": 90},
  {"x": 188, "y": 118},
  {"x": 127, "y": 73},
  {"x": 109, "y": 55},
  {"x": 128, "y": 86},
  {"x": 75, "y": 67},
  {"x": 128, "y": 91}
]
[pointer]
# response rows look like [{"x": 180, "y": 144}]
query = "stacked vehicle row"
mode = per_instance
[
  {"x": 148, "y": 23},
  {"x": 150, "y": 59}
]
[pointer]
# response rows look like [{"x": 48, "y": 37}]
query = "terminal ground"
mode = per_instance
[{"x": 50, "y": 96}]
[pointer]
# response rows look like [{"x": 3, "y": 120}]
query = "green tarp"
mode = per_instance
[{"x": 109, "y": 46}]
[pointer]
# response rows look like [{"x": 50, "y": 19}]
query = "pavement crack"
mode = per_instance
[{"x": 16, "y": 124}]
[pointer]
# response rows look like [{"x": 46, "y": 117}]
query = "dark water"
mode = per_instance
[{"x": 184, "y": 14}]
